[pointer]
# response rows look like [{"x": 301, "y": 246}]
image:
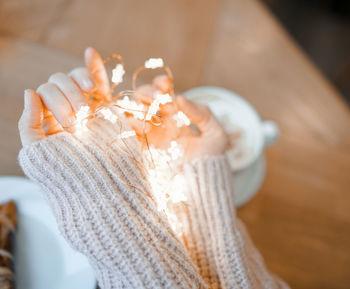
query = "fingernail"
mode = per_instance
[{"x": 87, "y": 84}]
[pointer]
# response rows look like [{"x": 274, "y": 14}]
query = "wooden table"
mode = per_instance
[{"x": 300, "y": 220}]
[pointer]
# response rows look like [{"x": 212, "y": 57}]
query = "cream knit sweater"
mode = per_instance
[{"x": 100, "y": 197}]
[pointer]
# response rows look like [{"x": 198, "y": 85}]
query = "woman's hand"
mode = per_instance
[
  {"x": 207, "y": 139},
  {"x": 51, "y": 109}
]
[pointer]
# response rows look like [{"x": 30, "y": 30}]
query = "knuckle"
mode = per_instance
[
  {"x": 57, "y": 77},
  {"x": 78, "y": 71},
  {"x": 45, "y": 87}
]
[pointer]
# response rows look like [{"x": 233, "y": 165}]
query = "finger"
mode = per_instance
[
  {"x": 29, "y": 125},
  {"x": 96, "y": 67},
  {"x": 70, "y": 90},
  {"x": 50, "y": 125},
  {"x": 55, "y": 101},
  {"x": 145, "y": 94},
  {"x": 83, "y": 78},
  {"x": 139, "y": 126},
  {"x": 163, "y": 83},
  {"x": 198, "y": 114}
]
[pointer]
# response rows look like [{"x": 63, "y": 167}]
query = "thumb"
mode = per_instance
[
  {"x": 198, "y": 114},
  {"x": 29, "y": 125},
  {"x": 96, "y": 67}
]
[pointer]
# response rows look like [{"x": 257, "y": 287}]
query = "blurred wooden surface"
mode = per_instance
[{"x": 300, "y": 220}]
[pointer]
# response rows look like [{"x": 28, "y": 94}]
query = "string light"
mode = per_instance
[
  {"x": 167, "y": 181},
  {"x": 106, "y": 113},
  {"x": 154, "y": 107},
  {"x": 118, "y": 73},
  {"x": 181, "y": 119},
  {"x": 163, "y": 166},
  {"x": 163, "y": 98},
  {"x": 82, "y": 118},
  {"x": 154, "y": 63},
  {"x": 132, "y": 107},
  {"x": 127, "y": 134}
]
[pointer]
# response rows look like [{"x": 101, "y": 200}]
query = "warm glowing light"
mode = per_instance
[
  {"x": 175, "y": 150},
  {"x": 127, "y": 134},
  {"x": 154, "y": 107},
  {"x": 154, "y": 63},
  {"x": 163, "y": 98},
  {"x": 118, "y": 73},
  {"x": 106, "y": 113},
  {"x": 132, "y": 107},
  {"x": 82, "y": 118},
  {"x": 181, "y": 119},
  {"x": 167, "y": 182},
  {"x": 163, "y": 166}
]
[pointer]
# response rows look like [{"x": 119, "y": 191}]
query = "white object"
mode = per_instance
[
  {"x": 81, "y": 118},
  {"x": 158, "y": 100},
  {"x": 106, "y": 113},
  {"x": 237, "y": 115},
  {"x": 127, "y": 134},
  {"x": 118, "y": 73},
  {"x": 235, "y": 112},
  {"x": 163, "y": 98},
  {"x": 131, "y": 106},
  {"x": 181, "y": 119},
  {"x": 247, "y": 182},
  {"x": 43, "y": 258},
  {"x": 154, "y": 63}
]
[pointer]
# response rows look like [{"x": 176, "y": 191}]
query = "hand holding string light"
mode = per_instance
[
  {"x": 208, "y": 138},
  {"x": 53, "y": 107},
  {"x": 161, "y": 121}
]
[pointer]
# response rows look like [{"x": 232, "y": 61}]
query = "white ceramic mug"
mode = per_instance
[
  {"x": 237, "y": 115},
  {"x": 246, "y": 157}
]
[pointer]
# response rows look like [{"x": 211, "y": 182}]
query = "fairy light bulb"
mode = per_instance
[
  {"x": 127, "y": 134},
  {"x": 163, "y": 166},
  {"x": 158, "y": 100},
  {"x": 163, "y": 98},
  {"x": 82, "y": 118},
  {"x": 167, "y": 181},
  {"x": 107, "y": 114},
  {"x": 132, "y": 107},
  {"x": 181, "y": 119},
  {"x": 154, "y": 63},
  {"x": 118, "y": 73}
]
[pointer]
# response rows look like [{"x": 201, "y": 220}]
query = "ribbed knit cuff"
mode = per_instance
[
  {"x": 99, "y": 195},
  {"x": 217, "y": 240},
  {"x": 211, "y": 230}
]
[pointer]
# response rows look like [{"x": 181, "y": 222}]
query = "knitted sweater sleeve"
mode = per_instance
[
  {"x": 98, "y": 193},
  {"x": 217, "y": 241}
]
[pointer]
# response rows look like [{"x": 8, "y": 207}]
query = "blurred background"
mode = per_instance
[
  {"x": 289, "y": 58},
  {"x": 322, "y": 28}
]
